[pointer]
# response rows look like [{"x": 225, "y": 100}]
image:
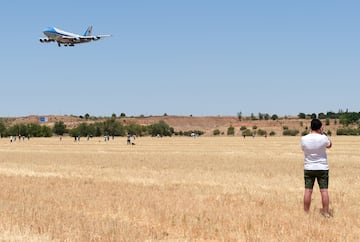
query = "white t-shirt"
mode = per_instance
[{"x": 314, "y": 147}]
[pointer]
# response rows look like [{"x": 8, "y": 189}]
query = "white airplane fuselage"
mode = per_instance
[{"x": 69, "y": 39}]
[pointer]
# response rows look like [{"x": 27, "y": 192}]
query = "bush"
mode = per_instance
[
  {"x": 261, "y": 132},
  {"x": 190, "y": 132},
  {"x": 348, "y": 131},
  {"x": 305, "y": 132},
  {"x": 231, "y": 130},
  {"x": 242, "y": 128},
  {"x": 290, "y": 132},
  {"x": 247, "y": 132},
  {"x": 216, "y": 132}
]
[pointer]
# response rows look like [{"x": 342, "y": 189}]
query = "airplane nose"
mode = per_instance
[{"x": 49, "y": 29}]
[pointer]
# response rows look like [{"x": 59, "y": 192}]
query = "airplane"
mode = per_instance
[{"x": 69, "y": 39}]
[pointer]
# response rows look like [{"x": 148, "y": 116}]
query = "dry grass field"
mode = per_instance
[{"x": 173, "y": 189}]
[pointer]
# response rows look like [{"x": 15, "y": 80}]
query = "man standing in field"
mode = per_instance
[{"x": 316, "y": 166}]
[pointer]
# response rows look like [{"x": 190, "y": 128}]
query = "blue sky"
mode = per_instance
[{"x": 188, "y": 57}]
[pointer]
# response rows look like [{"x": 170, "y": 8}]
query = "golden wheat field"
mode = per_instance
[{"x": 173, "y": 189}]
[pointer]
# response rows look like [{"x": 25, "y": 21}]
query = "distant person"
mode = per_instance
[
  {"x": 316, "y": 166},
  {"x": 134, "y": 139},
  {"x": 128, "y": 139}
]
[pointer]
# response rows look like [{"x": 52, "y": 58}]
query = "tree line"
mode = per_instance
[
  {"x": 345, "y": 118},
  {"x": 110, "y": 127}
]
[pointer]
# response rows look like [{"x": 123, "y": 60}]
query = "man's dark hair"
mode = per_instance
[{"x": 315, "y": 124}]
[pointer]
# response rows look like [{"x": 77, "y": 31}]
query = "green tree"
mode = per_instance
[
  {"x": 2, "y": 128},
  {"x": 301, "y": 115},
  {"x": 60, "y": 128},
  {"x": 331, "y": 115},
  {"x": 274, "y": 117},
  {"x": 349, "y": 118},
  {"x": 161, "y": 128},
  {"x": 261, "y": 116},
  {"x": 46, "y": 131},
  {"x": 239, "y": 115},
  {"x": 112, "y": 127},
  {"x": 18, "y": 129},
  {"x": 321, "y": 116},
  {"x": 135, "y": 129},
  {"x": 83, "y": 129},
  {"x": 97, "y": 129},
  {"x": 34, "y": 130},
  {"x": 74, "y": 132},
  {"x": 252, "y": 116}
]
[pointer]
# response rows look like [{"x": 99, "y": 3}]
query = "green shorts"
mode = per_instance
[{"x": 321, "y": 176}]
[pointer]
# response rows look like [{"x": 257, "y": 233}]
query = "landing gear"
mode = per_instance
[{"x": 65, "y": 44}]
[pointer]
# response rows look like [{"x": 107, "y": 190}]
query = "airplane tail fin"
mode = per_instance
[{"x": 88, "y": 31}]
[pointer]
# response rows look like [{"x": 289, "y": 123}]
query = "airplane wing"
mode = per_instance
[
  {"x": 95, "y": 37},
  {"x": 71, "y": 38},
  {"x": 77, "y": 39}
]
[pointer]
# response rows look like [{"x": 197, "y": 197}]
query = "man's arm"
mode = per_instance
[{"x": 329, "y": 145}]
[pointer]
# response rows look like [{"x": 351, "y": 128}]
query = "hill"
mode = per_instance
[{"x": 206, "y": 124}]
